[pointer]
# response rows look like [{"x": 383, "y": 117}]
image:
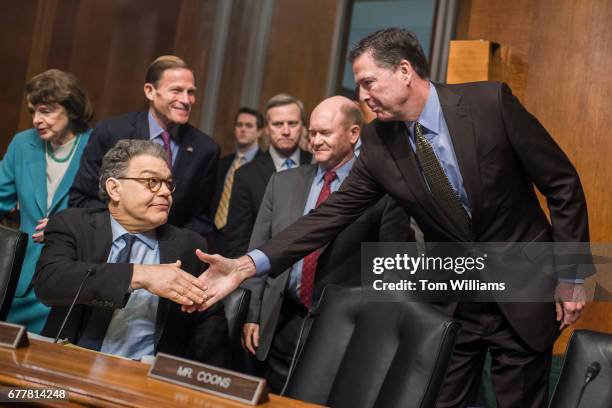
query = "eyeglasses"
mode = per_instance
[{"x": 153, "y": 183}]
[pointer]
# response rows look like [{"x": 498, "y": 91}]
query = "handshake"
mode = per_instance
[{"x": 194, "y": 294}]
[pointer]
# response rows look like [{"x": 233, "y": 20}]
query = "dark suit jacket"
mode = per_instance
[
  {"x": 249, "y": 186},
  {"x": 78, "y": 239},
  {"x": 224, "y": 164},
  {"x": 194, "y": 169},
  {"x": 502, "y": 152},
  {"x": 339, "y": 263},
  {"x": 217, "y": 240}
]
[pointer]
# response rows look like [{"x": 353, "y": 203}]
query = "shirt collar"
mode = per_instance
[
  {"x": 118, "y": 230},
  {"x": 430, "y": 116},
  {"x": 250, "y": 154},
  {"x": 279, "y": 160},
  {"x": 341, "y": 172},
  {"x": 155, "y": 129}
]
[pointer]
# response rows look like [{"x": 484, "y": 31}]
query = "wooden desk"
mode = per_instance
[{"x": 99, "y": 380}]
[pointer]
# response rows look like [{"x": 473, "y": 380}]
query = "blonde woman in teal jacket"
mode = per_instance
[{"x": 37, "y": 172}]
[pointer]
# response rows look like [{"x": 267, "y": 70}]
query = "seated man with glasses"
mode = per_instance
[{"x": 135, "y": 269}]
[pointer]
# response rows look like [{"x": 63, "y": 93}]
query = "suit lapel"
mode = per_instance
[
  {"x": 38, "y": 171},
  {"x": 185, "y": 150},
  {"x": 99, "y": 317},
  {"x": 100, "y": 222},
  {"x": 265, "y": 167},
  {"x": 459, "y": 122},
  {"x": 141, "y": 127},
  {"x": 302, "y": 184},
  {"x": 168, "y": 253},
  {"x": 395, "y": 136}
]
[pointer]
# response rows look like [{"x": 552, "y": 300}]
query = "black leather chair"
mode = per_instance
[
  {"x": 372, "y": 354},
  {"x": 236, "y": 306},
  {"x": 584, "y": 348},
  {"x": 12, "y": 250}
]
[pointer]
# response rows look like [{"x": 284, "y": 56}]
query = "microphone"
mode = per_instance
[
  {"x": 90, "y": 272},
  {"x": 590, "y": 374}
]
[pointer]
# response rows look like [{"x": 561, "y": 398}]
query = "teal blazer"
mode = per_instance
[{"x": 23, "y": 179}]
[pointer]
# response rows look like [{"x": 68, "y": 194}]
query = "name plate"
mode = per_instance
[
  {"x": 13, "y": 335},
  {"x": 214, "y": 380}
]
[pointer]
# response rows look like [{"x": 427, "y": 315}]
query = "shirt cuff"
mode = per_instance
[
  {"x": 567, "y": 280},
  {"x": 261, "y": 261}
]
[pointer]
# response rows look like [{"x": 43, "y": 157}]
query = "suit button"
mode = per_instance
[{"x": 94, "y": 302}]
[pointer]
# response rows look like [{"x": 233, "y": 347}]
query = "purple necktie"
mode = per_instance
[{"x": 166, "y": 138}]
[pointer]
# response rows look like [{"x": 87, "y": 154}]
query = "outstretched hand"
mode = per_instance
[
  {"x": 221, "y": 278},
  {"x": 570, "y": 300},
  {"x": 169, "y": 281}
]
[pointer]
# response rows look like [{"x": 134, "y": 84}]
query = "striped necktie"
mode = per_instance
[
  {"x": 222, "y": 210},
  {"x": 439, "y": 185}
]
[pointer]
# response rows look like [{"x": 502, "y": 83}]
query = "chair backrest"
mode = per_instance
[
  {"x": 236, "y": 306},
  {"x": 12, "y": 250},
  {"x": 373, "y": 354},
  {"x": 584, "y": 348}
]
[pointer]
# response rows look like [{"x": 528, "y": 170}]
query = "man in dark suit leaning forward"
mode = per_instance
[
  {"x": 141, "y": 270},
  {"x": 279, "y": 305},
  {"x": 191, "y": 155},
  {"x": 462, "y": 160}
]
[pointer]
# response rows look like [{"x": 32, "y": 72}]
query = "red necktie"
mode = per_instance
[
  {"x": 166, "y": 138},
  {"x": 310, "y": 261}
]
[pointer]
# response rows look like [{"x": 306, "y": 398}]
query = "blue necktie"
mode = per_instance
[
  {"x": 289, "y": 163},
  {"x": 124, "y": 255}
]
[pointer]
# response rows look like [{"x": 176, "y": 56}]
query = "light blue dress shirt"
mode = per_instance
[
  {"x": 249, "y": 155},
  {"x": 295, "y": 273},
  {"x": 155, "y": 132},
  {"x": 280, "y": 161},
  {"x": 437, "y": 134},
  {"x": 131, "y": 332}
]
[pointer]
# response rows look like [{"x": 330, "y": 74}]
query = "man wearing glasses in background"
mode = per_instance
[{"x": 135, "y": 269}]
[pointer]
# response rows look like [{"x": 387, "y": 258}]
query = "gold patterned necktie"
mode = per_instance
[
  {"x": 222, "y": 210},
  {"x": 438, "y": 183}
]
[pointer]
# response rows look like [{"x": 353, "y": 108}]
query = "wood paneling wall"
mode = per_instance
[
  {"x": 16, "y": 41},
  {"x": 107, "y": 44},
  {"x": 299, "y": 50},
  {"x": 561, "y": 62},
  {"x": 235, "y": 66}
]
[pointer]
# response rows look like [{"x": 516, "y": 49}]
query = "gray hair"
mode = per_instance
[
  {"x": 116, "y": 161},
  {"x": 286, "y": 99}
]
